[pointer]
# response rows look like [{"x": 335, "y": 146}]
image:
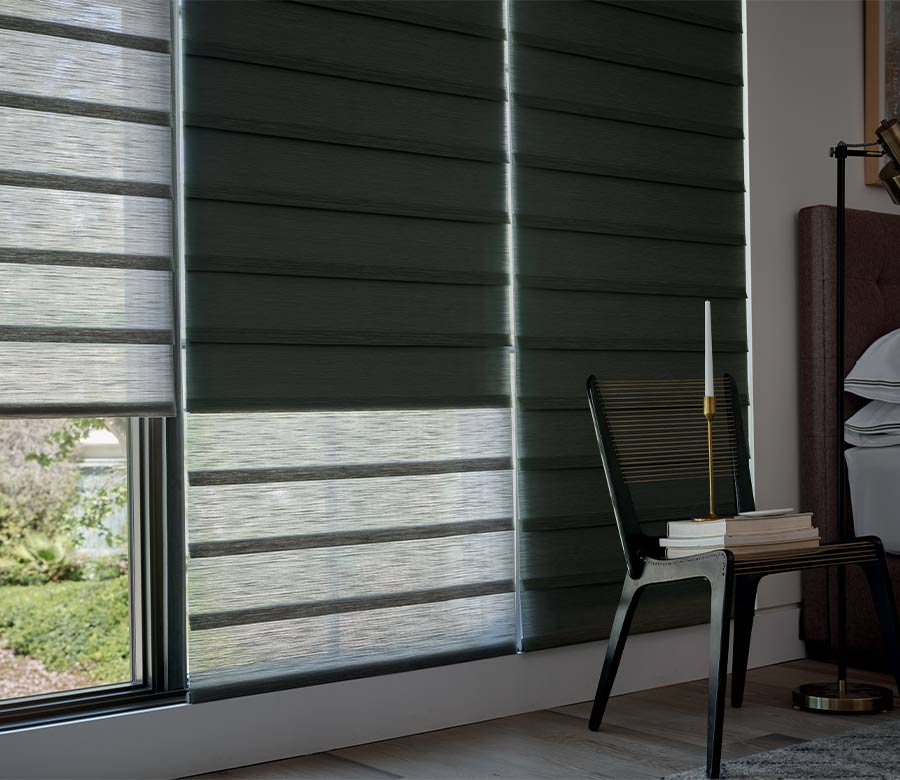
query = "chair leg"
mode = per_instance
[
  {"x": 878, "y": 575},
  {"x": 744, "y": 608},
  {"x": 628, "y": 601},
  {"x": 719, "y": 626}
]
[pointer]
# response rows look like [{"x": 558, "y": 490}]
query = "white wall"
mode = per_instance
[{"x": 805, "y": 93}]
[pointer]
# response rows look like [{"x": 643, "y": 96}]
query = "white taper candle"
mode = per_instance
[{"x": 709, "y": 389}]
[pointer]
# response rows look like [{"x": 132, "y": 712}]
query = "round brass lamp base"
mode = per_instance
[{"x": 843, "y": 697}]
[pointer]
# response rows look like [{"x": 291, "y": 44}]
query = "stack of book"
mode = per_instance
[{"x": 753, "y": 533}]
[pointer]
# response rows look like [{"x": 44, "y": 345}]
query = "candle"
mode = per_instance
[{"x": 709, "y": 387}]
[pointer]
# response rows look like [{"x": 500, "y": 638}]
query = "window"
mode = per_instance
[
  {"x": 85, "y": 579},
  {"x": 357, "y": 367}
]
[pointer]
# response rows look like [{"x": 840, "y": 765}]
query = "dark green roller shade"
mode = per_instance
[
  {"x": 627, "y": 131},
  {"x": 350, "y": 504}
]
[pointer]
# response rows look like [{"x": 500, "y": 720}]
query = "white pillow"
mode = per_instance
[
  {"x": 877, "y": 424},
  {"x": 876, "y": 374}
]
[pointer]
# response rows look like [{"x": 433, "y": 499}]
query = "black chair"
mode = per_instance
[{"x": 652, "y": 434}]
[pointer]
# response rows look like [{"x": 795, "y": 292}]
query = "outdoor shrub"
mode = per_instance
[
  {"x": 15, "y": 572},
  {"x": 106, "y": 567},
  {"x": 71, "y": 625},
  {"x": 51, "y": 557}
]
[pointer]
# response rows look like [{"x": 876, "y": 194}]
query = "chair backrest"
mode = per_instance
[{"x": 652, "y": 437}]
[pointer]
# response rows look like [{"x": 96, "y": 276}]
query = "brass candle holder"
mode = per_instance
[{"x": 709, "y": 412}]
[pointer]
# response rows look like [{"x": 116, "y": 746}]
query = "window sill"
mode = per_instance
[{"x": 88, "y": 704}]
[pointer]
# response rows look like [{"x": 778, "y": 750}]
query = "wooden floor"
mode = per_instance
[{"x": 644, "y": 735}]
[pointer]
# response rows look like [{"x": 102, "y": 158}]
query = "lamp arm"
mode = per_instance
[{"x": 848, "y": 151}]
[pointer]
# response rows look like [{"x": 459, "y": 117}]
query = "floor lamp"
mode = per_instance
[{"x": 843, "y": 696}]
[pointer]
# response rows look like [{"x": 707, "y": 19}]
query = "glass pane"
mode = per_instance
[{"x": 65, "y": 605}]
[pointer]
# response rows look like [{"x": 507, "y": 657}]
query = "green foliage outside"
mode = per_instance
[
  {"x": 71, "y": 625},
  {"x": 32, "y": 496},
  {"x": 86, "y": 511},
  {"x": 38, "y": 558}
]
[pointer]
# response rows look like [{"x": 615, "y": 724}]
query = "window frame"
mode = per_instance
[{"x": 157, "y": 591}]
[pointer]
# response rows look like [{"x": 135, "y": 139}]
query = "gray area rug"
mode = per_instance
[{"x": 870, "y": 754}]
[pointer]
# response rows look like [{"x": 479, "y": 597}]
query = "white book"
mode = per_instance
[
  {"x": 740, "y": 552},
  {"x": 726, "y": 526},
  {"x": 767, "y": 513},
  {"x": 739, "y": 540}
]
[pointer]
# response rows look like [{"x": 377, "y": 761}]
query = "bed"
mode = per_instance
[
  {"x": 875, "y": 493},
  {"x": 872, "y": 308}
]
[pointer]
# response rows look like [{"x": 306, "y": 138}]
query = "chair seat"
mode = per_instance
[{"x": 835, "y": 554}]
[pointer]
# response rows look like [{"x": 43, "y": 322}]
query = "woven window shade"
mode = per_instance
[
  {"x": 85, "y": 208},
  {"x": 627, "y": 138},
  {"x": 349, "y": 430}
]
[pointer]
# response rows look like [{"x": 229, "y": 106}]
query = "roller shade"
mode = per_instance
[
  {"x": 350, "y": 509},
  {"x": 86, "y": 313},
  {"x": 628, "y": 155}
]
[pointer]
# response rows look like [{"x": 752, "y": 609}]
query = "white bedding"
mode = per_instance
[{"x": 874, "y": 474}]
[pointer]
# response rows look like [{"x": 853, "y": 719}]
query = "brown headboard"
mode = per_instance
[{"x": 871, "y": 309}]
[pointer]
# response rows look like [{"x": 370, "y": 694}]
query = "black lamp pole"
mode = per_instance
[
  {"x": 841, "y": 153},
  {"x": 842, "y": 696}
]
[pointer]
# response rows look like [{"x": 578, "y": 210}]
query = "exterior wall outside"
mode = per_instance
[{"x": 102, "y": 457}]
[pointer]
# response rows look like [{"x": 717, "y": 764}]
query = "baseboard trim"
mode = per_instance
[{"x": 181, "y": 740}]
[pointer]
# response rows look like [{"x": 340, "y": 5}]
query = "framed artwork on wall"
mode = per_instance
[{"x": 882, "y": 74}]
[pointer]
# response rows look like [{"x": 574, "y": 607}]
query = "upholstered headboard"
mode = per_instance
[{"x": 872, "y": 308}]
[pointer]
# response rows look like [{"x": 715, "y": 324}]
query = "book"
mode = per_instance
[
  {"x": 689, "y": 529},
  {"x": 741, "y": 540},
  {"x": 767, "y": 513},
  {"x": 745, "y": 550}
]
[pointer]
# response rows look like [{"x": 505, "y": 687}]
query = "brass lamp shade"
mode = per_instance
[
  {"x": 888, "y": 134},
  {"x": 890, "y": 178}
]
